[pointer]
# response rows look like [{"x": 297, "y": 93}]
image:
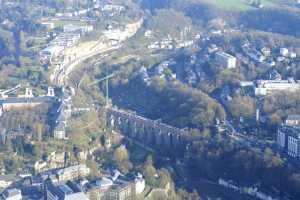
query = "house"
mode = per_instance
[
  {"x": 12, "y": 194},
  {"x": 226, "y": 60}
]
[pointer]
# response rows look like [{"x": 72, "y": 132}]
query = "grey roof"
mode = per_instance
[{"x": 66, "y": 191}]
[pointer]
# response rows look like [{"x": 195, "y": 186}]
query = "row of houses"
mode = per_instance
[
  {"x": 267, "y": 56},
  {"x": 70, "y": 183},
  {"x": 64, "y": 113}
]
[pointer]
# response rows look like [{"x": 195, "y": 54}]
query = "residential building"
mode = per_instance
[
  {"x": 266, "y": 51},
  {"x": 72, "y": 172},
  {"x": 292, "y": 55},
  {"x": 12, "y": 194},
  {"x": 59, "y": 131},
  {"x": 40, "y": 166},
  {"x": 288, "y": 137},
  {"x": 226, "y": 60},
  {"x": 293, "y": 120},
  {"x": 121, "y": 190},
  {"x": 65, "y": 191},
  {"x": 284, "y": 52},
  {"x": 116, "y": 186},
  {"x": 294, "y": 144},
  {"x": 266, "y": 87},
  {"x": 1, "y": 110}
]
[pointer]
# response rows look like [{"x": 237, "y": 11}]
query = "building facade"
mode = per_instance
[
  {"x": 267, "y": 87},
  {"x": 72, "y": 172},
  {"x": 288, "y": 140},
  {"x": 120, "y": 191},
  {"x": 226, "y": 60}
]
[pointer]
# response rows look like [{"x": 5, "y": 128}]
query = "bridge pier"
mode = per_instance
[{"x": 149, "y": 132}]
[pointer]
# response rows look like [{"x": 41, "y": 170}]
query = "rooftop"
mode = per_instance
[
  {"x": 226, "y": 55},
  {"x": 10, "y": 100},
  {"x": 293, "y": 117},
  {"x": 66, "y": 191},
  {"x": 11, "y": 192}
]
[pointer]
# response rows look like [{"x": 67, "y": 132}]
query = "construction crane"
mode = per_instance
[{"x": 106, "y": 78}]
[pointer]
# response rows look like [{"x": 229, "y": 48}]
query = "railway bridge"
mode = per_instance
[{"x": 152, "y": 133}]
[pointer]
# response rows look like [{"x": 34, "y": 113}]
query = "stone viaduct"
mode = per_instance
[{"x": 152, "y": 133}]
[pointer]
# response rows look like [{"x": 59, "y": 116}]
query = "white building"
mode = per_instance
[
  {"x": 292, "y": 55},
  {"x": 139, "y": 184},
  {"x": 226, "y": 60},
  {"x": 293, "y": 120},
  {"x": 266, "y": 87},
  {"x": 74, "y": 28},
  {"x": 284, "y": 52},
  {"x": 66, "y": 40},
  {"x": 51, "y": 52}
]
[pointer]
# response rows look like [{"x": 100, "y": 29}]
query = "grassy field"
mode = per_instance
[{"x": 239, "y": 5}]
